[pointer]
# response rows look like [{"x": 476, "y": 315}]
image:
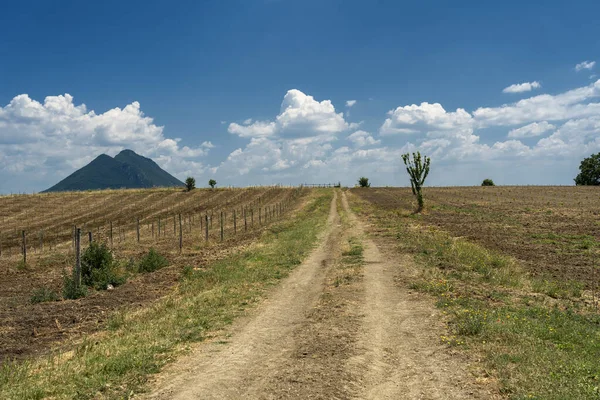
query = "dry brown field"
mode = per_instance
[
  {"x": 553, "y": 231},
  {"x": 48, "y": 220}
]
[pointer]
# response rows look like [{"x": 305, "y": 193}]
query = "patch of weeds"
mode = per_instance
[
  {"x": 187, "y": 272},
  {"x": 44, "y": 294},
  {"x": 469, "y": 322},
  {"x": 435, "y": 287},
  {"x": 152, "y": 261},
  {"x": 557, "y": 289},
  {"x": 22, "y": 266}
]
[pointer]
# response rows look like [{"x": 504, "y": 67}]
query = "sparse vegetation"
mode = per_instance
[
  {"x": 487, "y": 182},
  {"x": 71, "y": 289},
  {"x": 190, "y": 184},
  {"x": 363, "y": 182},
  {"x": 418, "y": 169},
  {"x": 44, "y": 294},
  {"x": 212, "y": 183}
]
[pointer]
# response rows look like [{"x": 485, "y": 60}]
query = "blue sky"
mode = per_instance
[{"x": 176, "y": 81}]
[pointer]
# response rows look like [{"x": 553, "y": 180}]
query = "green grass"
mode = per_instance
[
  {"x": 538, "y": 338},
  {"x": 117, "y": 363}
]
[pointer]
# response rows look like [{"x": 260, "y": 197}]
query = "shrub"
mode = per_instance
[
  {"x": 190, "y": 184},
  {"x": 152, "y": 262},
  {"x": 212, "y": 183},
  {"x": 487, "y": 182},
  {"x": 363, "y": 182},
  {"x": 418, "y": 169},
  {"x": 70, "y": 289},
  {"x": 43, "y": 294},
  {"x": 98, "y": 268}
]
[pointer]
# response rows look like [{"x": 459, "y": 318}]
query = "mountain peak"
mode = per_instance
[{"x": 126, "y": 170}]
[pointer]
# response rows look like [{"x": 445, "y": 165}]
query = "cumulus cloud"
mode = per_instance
[
  {"x": 362, "y": 139},
  {"x": 42, "y": 142},
  {"x": 522, "y": 87},
  {"x": 350, "y": 103},
  {"x": 300, "y": 116},
  {"x": 532, "y": 130},
  {"x": 585, "y": 65}
]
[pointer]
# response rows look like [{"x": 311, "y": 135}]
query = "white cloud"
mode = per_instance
[
  {"x": 350, "y": 103},
  {"x": 362, "y": 139},
  {"x": 300, "y": 116},
  {"x": 532, "y": 130},
  {"x": 44, "y": 142},
  {"x": 585, "y": 65},
  {"x": 522, "y": 87},
  {"x": 248, "y": 121},
  {"x": 430, "y": 117}
]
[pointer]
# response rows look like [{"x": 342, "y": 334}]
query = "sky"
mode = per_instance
[{"x": 254, "y": 92}]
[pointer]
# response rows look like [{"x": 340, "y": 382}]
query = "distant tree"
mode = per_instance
[
  {"x": 212, "y": 183},
  {"x": 190, "y": 183},
  {"x": 487, "y": 182},
  {"x": 589, "y": 174},
  {"x": 418, "y": 169},
  {"x": 363, "y": 182}
]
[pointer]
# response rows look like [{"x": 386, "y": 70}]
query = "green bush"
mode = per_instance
[
  {"x": 70, "y": 289},
  {"x": 487, "y": 182},
  {"x": 363, "y": 182},
  {"x": 43, "y": 294},
  {"x": 152, "y": 262},
  {"x": 98, "y": 268}
]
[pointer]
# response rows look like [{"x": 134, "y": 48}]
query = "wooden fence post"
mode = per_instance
[
  {"x": 259, "y": 215},
  {"x": 111, "y": 235},
  {"x": 180, "y": 235},
  {"x": 252, "y": 217},
  {"x": 221, "y": 226},
  {"x": 78, "y": 257},
  {"x": 138, "y": 229},
  {"x": 24, "y": 248},
  {"x": 245, "y": 220},
  {"x": 90, "y": 236},
  {"x": 206, "y": 226}
]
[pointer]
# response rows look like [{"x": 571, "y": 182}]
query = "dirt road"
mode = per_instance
[{"x": 314, "y": 338}]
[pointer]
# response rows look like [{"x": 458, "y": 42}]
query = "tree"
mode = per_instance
[
  {"x": 590, "y": 171},
  {"x": 363, "y": 182},
  {"x": 418, "y": 169},
  {"x": 190, "y": 183},
  {"x": 212, "y": 183},
  {"x": 487, "y": 182}
]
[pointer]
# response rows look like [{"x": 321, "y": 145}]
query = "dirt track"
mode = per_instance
[{"x": 367, "y": 339}]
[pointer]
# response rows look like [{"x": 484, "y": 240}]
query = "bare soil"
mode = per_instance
[{"x": 553, "y": 231}]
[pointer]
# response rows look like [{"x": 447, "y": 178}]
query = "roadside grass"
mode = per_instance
[
  {"x": 539, "y": 336},
  {"x": 116, "y": 363}
]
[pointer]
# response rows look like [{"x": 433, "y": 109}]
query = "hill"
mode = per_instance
[{"x": 126, "y": 170}]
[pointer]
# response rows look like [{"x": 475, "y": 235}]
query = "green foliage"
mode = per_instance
[
  {"x": 212, "y": 183},
  {"x": 22, "y": 266},
  {"x": 190, "y": 184},
  {"x": 152, "y": 262},
  {"x": 43, "y": 294},
  {"x": 418, "y": 169},
  {"x": 98, "y": 268},
  {"x": 487, "y": 182},
  {"x": 590, "y": 171},
  {"x": 363, "y": 182},
  {"x": 71, "y": 290}
]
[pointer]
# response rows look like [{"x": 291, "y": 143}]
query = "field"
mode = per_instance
[
  {"x": 552, "y": 231},
  {"x": 490, "y": 293},
  {"x": 48, "y": 220}
]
